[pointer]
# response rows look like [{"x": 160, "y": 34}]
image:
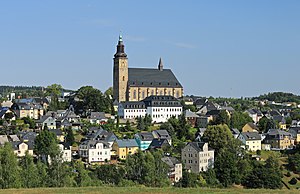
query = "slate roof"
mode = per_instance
[
  {"x": 92, "y": 143},
  {"x": 213, "y": 112},
  {"x": 170, "y": 161},
  {"x": 159, "y": 143},
  {"x": 235, "y": 131},
  {"x": 145, "y": 136},
  {"x": 254, "y": 111},
  {"x": 162, "y": 101},
  {"x": 102, "y": 135},
  {"x": 294, "y": 131},
  {"x": 3, "y": 111},
  {"x": 249, "y": 136},
  {"x": 145, "y": 77},
  {"x": 98, "y": 115},
  {"x": 253, "y": 126},
  {"x": 29, "y": 136},
  {"x": 13, "y": 138},
  {"x": 162, "y": 134},
  {"x": 122, "y": 143},
  {"x": 190, "y": 114},
  {"x": 277, "y": 134},
  {"x": 3, "y": 139},
  {"x": 198, "y": 146},
  {"x": 133, "y": 105}
]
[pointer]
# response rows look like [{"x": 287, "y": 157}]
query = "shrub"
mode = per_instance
[
  {"x": 258, "y": 152},
  {"x": 288, "y": 174},
  {"x": 293, "y": 181}
]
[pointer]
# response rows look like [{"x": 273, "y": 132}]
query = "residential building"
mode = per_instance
[
  {"x": 235, "y": 132},
  {"x": 250, "y": 127},
  {"x": 159, "y": 144},
  {"x": 132, "y": 110},
  {"x": 27, "y": 109},
  {"x": 66, "y": 152},
  {"x": 162, "y": 134},
  {"x": 251, "y": 140},
  {"x": 144, "y": 140},
  {"x": 295, "y": 131},
  {"x": 100, "y": 134},
  {"x": 279, "y": 139},
  {"x": 197, "y": 156},
  {"x": 255, "y": 114},
  {"x": 135, "y": 84},
  {"x": 95, "y": 151},
  {"x": 20, "y": 148},
  {"x": 125, "y": 147},
  {"x": 175, "y": 168},
  {"x": 97, "y": 118},
  {"x": 46, "y": 122},
  {"x": 191, "y": 117}
]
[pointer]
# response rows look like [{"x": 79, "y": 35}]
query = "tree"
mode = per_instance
[
  {"x": 46, "y": 145},
  {"x": 188, "y": 179},
  {"x": 9, "y": 170},
  {"x": 217, "y": 136},
  {"x": 54, "y": 90},
  {"x": 42, "y": 174},
  {"x": 29, "y": 122},
  {"x": 239, "y": 119},
  {"x": 140, "y": 124},
  {"x": 223, "y": 118},
  {"x": 82, "y": 179},
  {"x": 110, "y": 173},
  {"x": 294, "y": 162},
  {"x": 29, "y": 172},
  {"x": 70, "y": 136},
  {"x": 8, "y": 116}
]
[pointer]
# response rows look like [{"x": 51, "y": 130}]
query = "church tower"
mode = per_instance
[{"x": 120, "y": 73}]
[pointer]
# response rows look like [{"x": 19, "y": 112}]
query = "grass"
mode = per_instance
[{"x": 138, "y": 190}]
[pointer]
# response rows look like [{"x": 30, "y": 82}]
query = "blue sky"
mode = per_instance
[{"x": 229, "y": 48}]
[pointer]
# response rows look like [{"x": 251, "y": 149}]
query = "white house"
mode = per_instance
[
  {"x": 132, "y": 110},
  {"x": 95, "y": 151},
  {"x": 66, "y": 152},
  {"x": 251, "y": 140}
]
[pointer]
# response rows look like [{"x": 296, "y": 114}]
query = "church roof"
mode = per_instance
[{"x": 145, "y": 77}]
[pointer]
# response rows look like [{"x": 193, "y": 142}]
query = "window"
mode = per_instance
[
  {"x": 123, "y": 78},
  {"x": 134, "y": 94}
]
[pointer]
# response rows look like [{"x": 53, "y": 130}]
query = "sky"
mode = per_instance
[{"x": 229, "y": 48}]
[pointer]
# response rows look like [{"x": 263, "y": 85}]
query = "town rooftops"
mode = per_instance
[
  {"x": 190, "y": 114},
  {"x": 162, "y": 101},
  {"x": 198, "y": 146},
  {"x": 133, "y": 105},
  {"x": 162, "y": 134},
  {"x": 170, "y": 161},
  {"x": 159, "y": 143},
  {"x": 92, "y": 143}
]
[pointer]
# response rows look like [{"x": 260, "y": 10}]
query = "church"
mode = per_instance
[{"x": 135, "y": 84}]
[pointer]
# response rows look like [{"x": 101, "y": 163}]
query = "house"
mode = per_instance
[
  {"x": 255, "y": 114},
  {"x": 46, "y": 122},
  {"x": 160, "y": 108},
  {"x": 206, "y": 107},
  {"x": 97, "y": 118},
  {"x": 66, "y": 152},
  {"x": 191, "y": 117},
  {"x": 197, "y": 157},
  {"x": 280, "y": 120},
  {"x": 162, "y": 134},
  {"x": 202, "y": 121},
  {"x": 279, "y": 140},
  {"x": 251, "y": 140},
  {"x": 95, "y": 151},
  {"x": 20, "y": 148},
  {"x": 295, "y": 131},
  {"x": 144, "y": 140},
  {"x": 27, "y": 108},
  {"x": 13, "y": 138},
  {"x": 250, "y": 127},
  {"x": 100, "y": 134},
  {"x": 187, "y": 100},
  {"x": 295, "y": 123},
  {"x": 175, "y": 168},
  {"x": 159, "y": 144},
  {"x": 125, "y": 147}
]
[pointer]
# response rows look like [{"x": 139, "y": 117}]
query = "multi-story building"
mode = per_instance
[
  {"x": 175, "y": 168},
  {"x": 144, "y": 140},
  {"x": 124, "y": 147},
  {"x": 95, "y": 151},
  {"x": 160, "y": 108},
  {"x": 197, "y": 156},
  {"x": 251, "y": 140},
  {"x": 66, "y": 152},
  {"x": 279, "y": 140}
]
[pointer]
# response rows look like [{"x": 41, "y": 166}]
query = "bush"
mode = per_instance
[
  {"x": 293, "y": 181},
  {"x": 258, "y": 152},
  {"x": 288, "y": 174}
]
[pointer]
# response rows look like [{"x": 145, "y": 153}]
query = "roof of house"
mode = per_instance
[
  {"x": 30, "y": 136},
  {"x": 122, "y": 143},
  {"x": 190, "y": 114},
  {"x": 57, "y": 132},
  {"x": 3, "y": 111},
  {"x": 278, "y": 132},
  {"x": 253, "y": 126},
  {"x": 235, "y": 131},
  {"x": 146, "y": 77},
  {"x": 213, "y": 112},
  {"x": 102, "y": 135},
  {"x": 170, "y": 161},
  {"x": 98, "y": 115},
  {"x": 254, "y": 111},
  {"x": 13, "y": 138},
  {"x": 3, "y": 139},
  {"x": 250, "y": 136},
  {"x": 145, "y": 136},
  {"x": 43, "y": 118},
  {"x": 133, "y": 105},
  {"x": 159, "y": 143},
  {"x": 163, "y": 134},
  {"x": 92, "y": 143},
  {"x": 198, "y": 146}
]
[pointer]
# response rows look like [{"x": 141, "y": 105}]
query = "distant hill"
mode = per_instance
[{"x": 279, "y": 97}]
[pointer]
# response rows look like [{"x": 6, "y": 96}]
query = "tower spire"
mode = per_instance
[
  {"x": 120, "y": 48},
  {"x": 160, "y": 65}
]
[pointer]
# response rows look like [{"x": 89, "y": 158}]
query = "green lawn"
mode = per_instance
[{"x": 140, "y": 190}]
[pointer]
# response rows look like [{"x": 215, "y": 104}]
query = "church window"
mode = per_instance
[
  {"x": 143, "y": 94},
  {"x": 134, "y": 94}
]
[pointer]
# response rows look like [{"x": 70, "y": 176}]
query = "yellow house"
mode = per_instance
[
  {"x": 125, "y": 147},
  {"x": 250, "y": 127},
  {"x": 295, "y": 131},
  {"x": 20, "y": 148},
  {"x": 279, "y": 139},
  {"x": 251, "y": 140}
]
